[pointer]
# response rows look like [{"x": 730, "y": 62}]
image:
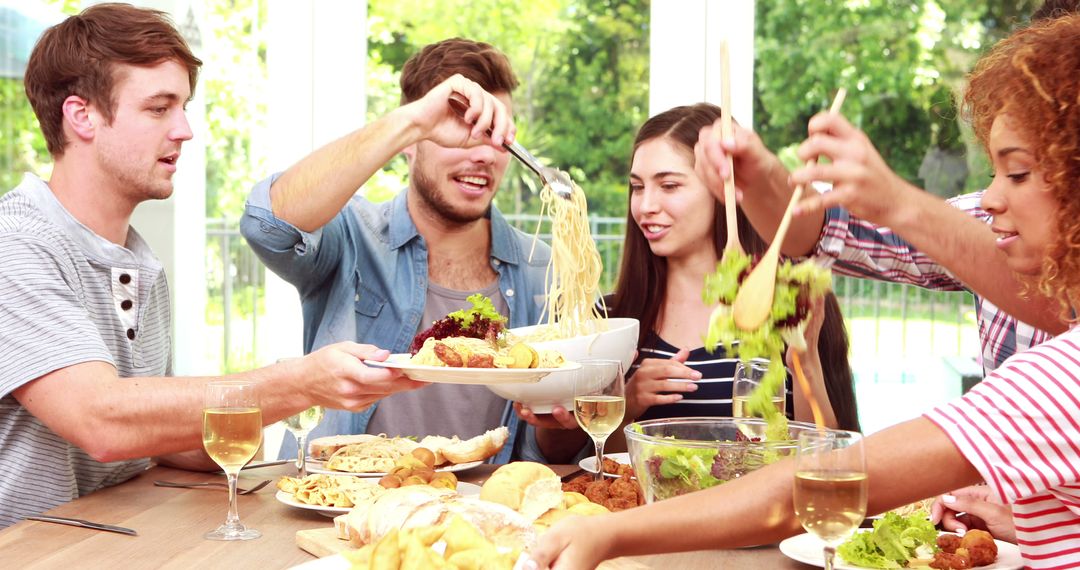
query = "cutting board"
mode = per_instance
[
  {"x": 324, "y": 542},
  {"x": 321, "y": 542}
]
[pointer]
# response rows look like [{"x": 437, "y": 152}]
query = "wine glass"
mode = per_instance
[
  {"x": 232, "y": 433},
  {"x": 300, "y": 425},
  {"x": 830, "y": 486},
  {"x": 748, "y": 375},
  {"x": 599, "y": 402}
]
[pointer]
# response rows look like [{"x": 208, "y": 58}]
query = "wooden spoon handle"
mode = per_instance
[{"x": 727, "y": 131}]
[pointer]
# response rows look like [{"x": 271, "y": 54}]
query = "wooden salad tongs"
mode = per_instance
[{"x": 727, "y": 132}]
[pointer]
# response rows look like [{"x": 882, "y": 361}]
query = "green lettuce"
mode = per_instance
[
  {"x": 768, "y": 340},
  {"x": 894, "y": 541},
  {"x": 482, "y": 307},
  {"x": 861, "y": 550}
]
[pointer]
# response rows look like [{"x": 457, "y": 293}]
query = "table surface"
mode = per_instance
[{"x": 171, "y": 523}]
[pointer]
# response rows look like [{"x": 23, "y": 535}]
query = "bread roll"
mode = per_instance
[
  {"x": 529, "y": 488},
  {"x": 341, "y": 525},
  {"x": 479, "y": 448}
]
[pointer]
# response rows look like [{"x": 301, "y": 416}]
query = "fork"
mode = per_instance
[
  {"x": 239, "y": 491},
  {"x": 557, "y": 180}
]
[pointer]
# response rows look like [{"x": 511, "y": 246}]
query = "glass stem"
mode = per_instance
[
  {"x": 599, "y": 444},
  {"x": 301, "y": 457},
  {"x": 233, "y": 519},
  {"x": 830, "y": 553}
]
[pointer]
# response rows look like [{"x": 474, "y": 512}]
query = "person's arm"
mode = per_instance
[
  {"x": 556, "y": 436},
  {"x": 194, "y": 460},
  {"x": 114, "y": 418},
  {"x": 761, "y": 182},
  {"x": 864, "y": 185},
  {"x": 761, "y": 502},
  {"x": 314, "y": 190}
]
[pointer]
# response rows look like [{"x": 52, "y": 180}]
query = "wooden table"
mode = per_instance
[{"x": 171, "y": 523}]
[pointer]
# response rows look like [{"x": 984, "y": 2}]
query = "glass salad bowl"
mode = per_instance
[{"x": 675, "y": 456}]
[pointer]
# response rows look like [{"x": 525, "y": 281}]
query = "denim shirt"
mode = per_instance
[{"x": 364, "y": 276}]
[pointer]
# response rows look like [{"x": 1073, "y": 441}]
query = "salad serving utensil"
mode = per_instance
[
  {"x": 755, "y": 297},
  {"x": 557, "y": 180},
  {"x": 82, "y": 523},
  {"x": 727, "y": 132},
  {"x": 239, "y": 491}
]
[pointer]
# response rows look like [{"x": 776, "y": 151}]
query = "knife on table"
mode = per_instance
[{"x": 82, "y": 523}]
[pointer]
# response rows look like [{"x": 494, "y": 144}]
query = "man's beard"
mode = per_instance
[{"x": 428, "y": 191}]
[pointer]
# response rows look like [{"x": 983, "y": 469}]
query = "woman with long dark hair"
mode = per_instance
[{"x": 675, "y": 234}]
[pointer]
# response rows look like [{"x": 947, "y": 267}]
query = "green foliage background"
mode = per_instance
[{"x": 903, "y": 63}]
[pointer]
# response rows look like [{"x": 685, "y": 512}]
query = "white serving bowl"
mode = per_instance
[{"x": 557, "y": 388}]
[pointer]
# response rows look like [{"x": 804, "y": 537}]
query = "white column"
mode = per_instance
[
  {"x": 316, "y": 55},
  {"x": 684, "y": 59},
  {"x": 176, "y": 228}
]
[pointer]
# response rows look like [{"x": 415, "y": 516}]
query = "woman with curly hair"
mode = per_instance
[{"x": 1019, "y": 430}]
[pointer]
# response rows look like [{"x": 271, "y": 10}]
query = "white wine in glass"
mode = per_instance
[
  {"x": 830, "y": 486},
  {"x": 747, "y": 378},
  {"x": 232, "y": 433},
  {"x": 599, "y": 402},
  {"x": 300, "y": 425}
]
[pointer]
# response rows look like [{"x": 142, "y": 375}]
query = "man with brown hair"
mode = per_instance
[
  {"x": 380, "y": 273},
  {"x": 84, "y": 305}
]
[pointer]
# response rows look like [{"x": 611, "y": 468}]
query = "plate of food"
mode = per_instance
[
  {"x": 320, "y": 467},
  {"x": 615, "y": 465},
  {"x": 808, "y": 549},
  {"x": 450, "y": 374},
  {"x": 473, "y": 346},
  {"x": 464, "y": 489},
  {"x": 376, "y": 456}
]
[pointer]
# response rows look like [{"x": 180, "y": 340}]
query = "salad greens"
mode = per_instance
[
  {"x": 481, "y": 321},
  {"x": 894, "y": 541},
  {"x": 796, "y": 284},
  {"x": 482, "y": 308},
  {"x": 676, "y": 470}
]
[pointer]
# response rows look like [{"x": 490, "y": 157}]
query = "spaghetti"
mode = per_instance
[{"x": 573, "y": 274}]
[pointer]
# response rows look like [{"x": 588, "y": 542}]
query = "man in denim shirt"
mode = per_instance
[{"x": 380, "y": 273}]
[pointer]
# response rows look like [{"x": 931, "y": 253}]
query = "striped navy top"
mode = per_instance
[
  {"x": 67, "y": 296},
  {"x": 713, "y": 396}
]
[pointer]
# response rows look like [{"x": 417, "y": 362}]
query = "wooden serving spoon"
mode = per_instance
[
  {"x": 727, "y": 132},
  {"x": 755, "y": 297}
]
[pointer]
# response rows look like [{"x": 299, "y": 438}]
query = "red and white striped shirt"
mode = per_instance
[
  {"x": 855, "y": 247},
  {"x": 1021, "y": 429}
]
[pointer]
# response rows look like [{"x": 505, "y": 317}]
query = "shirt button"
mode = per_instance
[
  {"x": 496, "y": 263},
  {"x": 131, "y": 334},
  {"x": 356, "y": 297},
  {"x": 125, "y": 278},
  {"x": 509, "y": 292},
  {"x": 126, "y": 304}
]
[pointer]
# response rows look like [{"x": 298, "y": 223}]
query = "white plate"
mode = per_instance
[
  {"x": 449, "y": 375},
  {"x": 315, "y": 466},
  {"x": 807, "y": 548},
  {"x": 589, "y": 463},
  {"x": 463, "y": 489}
]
